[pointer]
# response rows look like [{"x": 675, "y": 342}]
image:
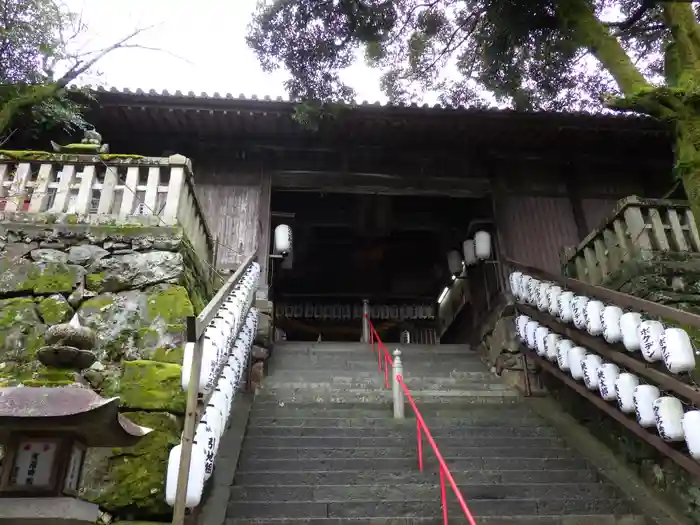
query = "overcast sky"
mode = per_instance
[{"x": 204, "y": 48}]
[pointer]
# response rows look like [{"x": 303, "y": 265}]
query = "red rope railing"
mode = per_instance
[{"x": 384, "y": 362}]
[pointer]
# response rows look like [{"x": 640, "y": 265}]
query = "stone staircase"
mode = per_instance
[{"x": 322, "y": 448}]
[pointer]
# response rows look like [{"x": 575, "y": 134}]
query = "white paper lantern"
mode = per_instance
[
  {"x": 629, "y": 322},
  {"x": 186, "y": 366},
  {"x": 533, "y": 287},
  {"x": 524, "y": 288},
  {"x": 594, "y": 317},
  {"x": 563, "y": 348},
  {"x": 540, "y": 334},
  {"x": 644, "y": 397},
  {"x": 576, "y": 356},
  {"x": 566, "y": 312},
  {"x": 578, "y": 306},
  {"x": 195, "y": 483},
  {"x": 553, "y": 299},
  {"x": 611, "y": 324},
  {"x": 543, "y": 297},
  {"x": 454, "y": 262},
  {"x": 691, "y": 429},
  {"x": 530, "y": 329},
  {"x": 607, "y": 376},
  {"x": 482, "y": 242},
  {"x": 550, "y": 346},
  {"x": 625, "y": 385},
  {"x": 469, "y": 251},
  {"x": 649, "y": 334},
  {"x": 514, "y": 279},
  {"x": 590, "y": 366},
  {"x": 668, "y": 411},
  {"x": 521, "y": 324},
  {"x": 677, "y": 350},
  {"x": 282, "y": 240}
]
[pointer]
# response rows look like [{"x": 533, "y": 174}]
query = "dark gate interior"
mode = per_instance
[{"x": 390, "y": 250}]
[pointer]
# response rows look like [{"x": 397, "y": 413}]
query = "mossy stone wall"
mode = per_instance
[{"x": 134, "y": 286}]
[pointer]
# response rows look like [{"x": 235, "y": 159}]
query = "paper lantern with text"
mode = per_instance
[
  {"x": 566, "y": 312},
  {"x": 563, "y": 348},
  {"x": 590, "y": 366},
  {"x": 576, "y": 356},
  {"x": 282, "y": 240},
  {"x": 521, "y": 322},
  {"x": 550, "y": 346},
  {"x": 668, "y": 411},
  {"x": 553, "y": 294},
  {"x": 625, "y": 385},
  {"x": 454, "y": 262},
  {"x": 691, "y": 430},
  {"x": 195, "y": 479},
  {"x": 578, "y": 306},
  {"x": 629, "y": 322},
  {"x": 482, "y": 245},
  {"x": 607, "y": 376},
  {"x": 530, "y": 329},
  {"x": 677, "y": 350},
  {"x": 541, "y": 334},
  {"x": 594, "y": 317},
  {"x": 469, "y": 252},
  {"x": 644, "y": 397},
  {"x": 543, "y": 297},
  {"x": 611, "y": 324},
  {"x": 514, "y": 279},
  {"x": 649, "y": 334}
]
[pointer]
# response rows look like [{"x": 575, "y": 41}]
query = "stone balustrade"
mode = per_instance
[
  {"x": 104, "y": 189},
  {"x": 638, "y": 231}
]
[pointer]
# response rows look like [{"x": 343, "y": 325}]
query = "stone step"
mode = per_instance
[
  {"x": 486, "y": 520},
  {"x": 474, "y": 431},
  {"x": 407, "y": 441},
  {"x": 418, "y": 492},
  {"x": 380, "y": 395},
  {"x": 352, "y": 477},
  {"x": 428, "y": 509},
  {"x": 494, "y": 418},
  {"x": 248, "y": 464},
  {"x": 348, "y": 376},
  {"x": 429, "y": 411},
  {"x": 448, "y": 453},
  {"x": 444, "y": 385}
]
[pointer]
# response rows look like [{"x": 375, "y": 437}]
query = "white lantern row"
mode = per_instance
[
  {"x": 473, "y": 250},
  {"x": 665, "y": 413},
  {"x": 226, "y": 346},
  {"x": 655, "y": 342},
  {"x": 282, "y": 243}
]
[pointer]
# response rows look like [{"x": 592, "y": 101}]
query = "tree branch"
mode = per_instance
[
  {"x": 36, "y": 94},
  {"x": 681, "y": 22},
  {"x": 635, "y": 17},
  {"x": 595, "y": 36}
]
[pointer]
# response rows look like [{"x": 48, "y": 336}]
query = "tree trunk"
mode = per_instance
[{"x": 688, "y": 160}]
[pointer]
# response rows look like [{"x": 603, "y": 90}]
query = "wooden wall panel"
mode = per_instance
[{"x": 231, "y": 203}]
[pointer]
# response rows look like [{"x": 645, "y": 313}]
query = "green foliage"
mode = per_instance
[
  {"x": 33, "y": 42},
  {"x": 527, "y": 54}
]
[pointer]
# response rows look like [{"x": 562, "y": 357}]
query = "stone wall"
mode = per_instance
[{"x": 134, "y": 286}]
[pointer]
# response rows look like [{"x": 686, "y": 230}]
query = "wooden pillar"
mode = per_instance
[
  {"x": 264, "y": 232},
  {"x": 574, "y": 195}
]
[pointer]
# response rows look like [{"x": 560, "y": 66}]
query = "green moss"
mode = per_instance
[
  {"x": 170, "y": 303},
  {"x": 116, "y": 156},
  {"x": 94, "y": 281},
  {"x": 21, "y": 330},
  {"x": 71, "y": 218},
  {"x": 150, "y": 385},
  {"x": 130, "y": 481},
  {"x": 34, "y": 374},
  {"x": 54, "y": 310}
]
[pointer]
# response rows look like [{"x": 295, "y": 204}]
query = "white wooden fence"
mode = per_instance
[{"x": 162, "y": 187}]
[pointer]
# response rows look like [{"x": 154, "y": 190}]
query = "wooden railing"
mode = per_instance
[
  {"x": 106, "y": 189},
  {"x": 547, "y": 354},
  {"x": 636, "y": 228}
]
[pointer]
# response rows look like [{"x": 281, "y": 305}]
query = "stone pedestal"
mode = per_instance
[{"x": 47, "y": 511}]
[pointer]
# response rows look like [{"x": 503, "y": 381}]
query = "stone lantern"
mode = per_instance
[{"x": 45, "y": 433}]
